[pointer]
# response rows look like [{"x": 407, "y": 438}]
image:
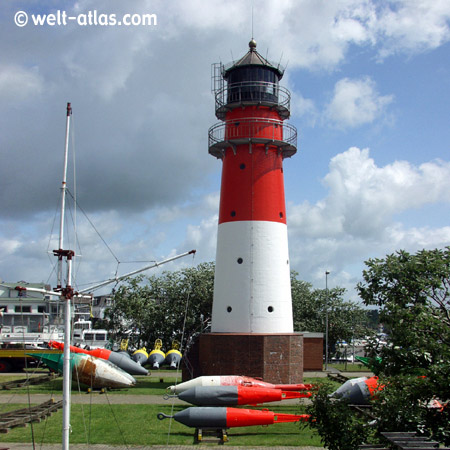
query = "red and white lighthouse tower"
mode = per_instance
[
  {"x": 252, "y": 289},
  {"x": 252, "y": 327}
]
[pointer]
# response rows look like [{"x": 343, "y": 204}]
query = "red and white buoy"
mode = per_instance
[{"x": 252, "y": 289}]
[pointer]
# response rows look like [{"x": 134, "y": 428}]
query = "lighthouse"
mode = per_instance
[
  {"x": 252, "y": 306},
  {"x": 252, "y": 287}
]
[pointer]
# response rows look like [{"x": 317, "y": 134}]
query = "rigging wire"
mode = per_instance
[
  {"x": 90, "y": 416},
  {"x": 51, "y": 258},
  {"x": 76, "y": 241},
  {"x": 74, "y": 181},
  {"x": 93, "y": 226},
  {"x": 117, "y": 422},
  {"x": 22, "y": 319},
  {"x": 52, "y": 384},
  {"x": 86, "y": 433},
  {"x": 181, "y": 348}
]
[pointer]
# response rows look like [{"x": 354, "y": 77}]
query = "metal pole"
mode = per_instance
[
  {"x": 67, "y": 370},
  {"x": 63, "y": 195},
  {"x": 326, "y": 319},
  {"x": 67, "y": 294},
  {"x": 67, "y": 378},
  {"x": 117, "y": 279}
]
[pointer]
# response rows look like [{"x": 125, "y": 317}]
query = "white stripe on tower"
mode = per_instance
[{"x": 252, "y": 290}]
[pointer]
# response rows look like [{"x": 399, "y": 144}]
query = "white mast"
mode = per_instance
[
  {"x": 67, "y": 293},
  {"x": 63, "y": 196}
]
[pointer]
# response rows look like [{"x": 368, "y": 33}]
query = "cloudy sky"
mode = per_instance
[{"x": 370, "y": 86}]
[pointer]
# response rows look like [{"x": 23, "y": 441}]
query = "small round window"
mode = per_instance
[
  {"x": 229, "y": 309},
  {"x": 270, "y": 309},
  {"x": 240, "y": 260}
]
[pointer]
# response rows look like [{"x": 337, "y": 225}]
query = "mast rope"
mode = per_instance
[
  {"x": 93, "y": 226},
  {"x": 116, "y": 420},
  {"x": 181, "y": 348},
  {"x": 74, "y": 181},
  {"x": 26, "y": 365},
  {"x": 49, "y": 252},
  {"x": 28, "y": 377},
  {"x": 86, "y": 432}
]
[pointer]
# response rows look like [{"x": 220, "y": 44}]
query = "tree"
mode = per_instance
[
  {"x": 346, "y": 319},
  {"x": 413, "y": 294},
  {"x": 154, "y": 307},
  {"x": 334, "y": 420},
  {"x": 168, "y": 307}
]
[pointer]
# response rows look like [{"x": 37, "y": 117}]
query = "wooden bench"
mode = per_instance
[{"x": 410, "y": 440}]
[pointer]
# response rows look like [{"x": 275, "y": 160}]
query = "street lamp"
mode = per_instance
[{"x": 326, "y": 319}]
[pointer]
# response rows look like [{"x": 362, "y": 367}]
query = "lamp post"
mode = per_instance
[{"x": 326, "y": 319}]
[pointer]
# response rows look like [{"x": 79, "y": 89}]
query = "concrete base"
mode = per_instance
[{"x": 276, "y": 358}]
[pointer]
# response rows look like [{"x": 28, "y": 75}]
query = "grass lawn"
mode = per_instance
[
  {"x": 349, "y": 367},
  {"x": 138, "y": 425}
]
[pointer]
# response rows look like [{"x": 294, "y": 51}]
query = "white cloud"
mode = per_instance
[
  {"x": 203, "y": 238},
  {"x": 304, "y": 108},
  {"x": 18, "y": 83},
  {"x": 319, "y": 34},
  {"x": 8, "y": 247},
  {"x": 418, "y": 237},
  {"x": 356, "y": 102},
  {"x": 316, "y": 34},
  {"x": 363, "y": 198},
  {"x": 359, "y": 217},
  {"x": 412, "y": 26}
]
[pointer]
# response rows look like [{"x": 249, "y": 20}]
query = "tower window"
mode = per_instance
[
  {"x": 242, "y": 166},
  {"x": 229, "y": 309},
  {"x": 233, "y": 213},
  {"x": 281, "y": 215},
  {"x": 270, "y": 309},
  {"x": 240, "y": 260}
]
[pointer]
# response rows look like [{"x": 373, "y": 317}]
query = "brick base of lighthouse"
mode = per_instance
[{"x": 276, "y": 358}]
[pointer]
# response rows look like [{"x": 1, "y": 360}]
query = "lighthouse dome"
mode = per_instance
[{"x": 256, "y": 68}]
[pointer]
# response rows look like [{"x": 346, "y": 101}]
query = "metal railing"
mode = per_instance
[
  {"x": 253, "y": 92},
  {"x": 252, "y": 130},
  {"x": 256, "y": 129}
]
